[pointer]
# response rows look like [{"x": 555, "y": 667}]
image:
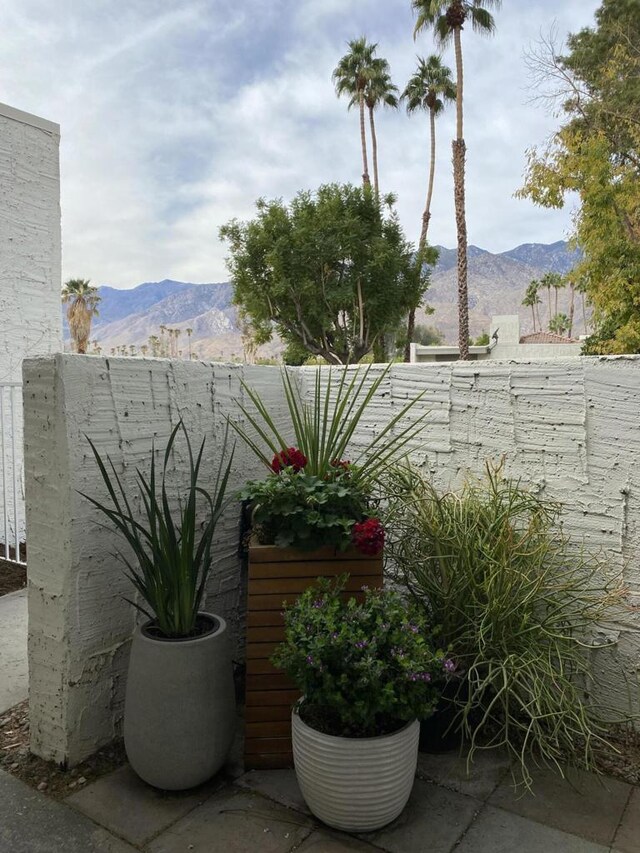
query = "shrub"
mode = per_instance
[
  {"x": 364, "y": 668},
  {"x": 516, "y": 600}
]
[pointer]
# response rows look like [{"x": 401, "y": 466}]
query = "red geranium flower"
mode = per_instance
[
  {"x": 368, "y": 536},
  {"x": 289, "y": 458}
]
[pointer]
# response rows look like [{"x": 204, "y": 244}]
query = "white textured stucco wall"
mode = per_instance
[
  {"x": 570, "y": 428},
  {"x": 30, "y": 320},
  {"x": 79, "y": 622}
]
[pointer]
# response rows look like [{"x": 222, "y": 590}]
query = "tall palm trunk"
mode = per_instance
[
  {"x": 572, "y": 308},
  {"x": 374, "y": 151},
  {"x": 363, "y": 139},
  {"x": 549, "y": 298},
  {"x": 426, "y": 216},
  {"x": 533, "y": 314},
  {"x": 556, "y": 300},
  {"x": 459, "y": 154},
  {"x": 584, "y": 313}
]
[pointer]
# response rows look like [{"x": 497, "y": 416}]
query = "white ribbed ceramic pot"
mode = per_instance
[{"x": 355, "y": 784}]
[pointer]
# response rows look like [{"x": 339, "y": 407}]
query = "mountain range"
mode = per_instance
[{"x": 497, "y": 283}]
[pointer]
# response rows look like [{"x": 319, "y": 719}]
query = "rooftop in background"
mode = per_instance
[
  {"x": 547, "y": 338},
  {"x": 506, "y": 343}
]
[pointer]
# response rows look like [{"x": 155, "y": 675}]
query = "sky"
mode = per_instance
[{"x": 176, "y": 116}]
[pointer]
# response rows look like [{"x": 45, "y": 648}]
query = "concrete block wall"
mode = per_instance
[
  {"x": 80, "y": 624},
  {"x": 568, "y": 428}
]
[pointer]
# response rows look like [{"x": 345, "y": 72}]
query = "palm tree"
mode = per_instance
[
  {"x": 189, "y": 333},
  {"x": 350, "y": 78},
  {"x": 379, "y": 91},
  {"x": 532, "y": 300},
  {"x": 447, "y": 19},
  {"x": 430, "y": 87},
  {"x": 559, "y": 324},
  {"x": 558, "y": 284},
  {"x": 572, "y": 305},
  {"x": 581, "y": 287},
  {"x": 82, "y": 299}
]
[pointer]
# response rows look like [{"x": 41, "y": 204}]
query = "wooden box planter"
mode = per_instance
[{"x": 278, "y": 575}]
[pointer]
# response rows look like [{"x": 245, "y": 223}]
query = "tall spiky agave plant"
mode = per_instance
[
  {"x": 170, "y": 565},
  {"x": 325, "y": 425}
]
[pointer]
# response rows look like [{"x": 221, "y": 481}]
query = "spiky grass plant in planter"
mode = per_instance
[
  {"x": 518, "y": 601},
  {"x": 180, "y": 705},
  {"x": 367, "y": 671},
  {"x": 314, "y": 514}
]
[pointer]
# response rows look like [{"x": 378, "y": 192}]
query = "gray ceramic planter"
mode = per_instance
[
  {"x": 180, "y": 713},
  {"x": 355, "y": 784}
]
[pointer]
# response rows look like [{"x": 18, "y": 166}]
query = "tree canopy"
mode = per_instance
[
  {"x": 596, "y": 153},
  {"x": 331, "y": 272}
]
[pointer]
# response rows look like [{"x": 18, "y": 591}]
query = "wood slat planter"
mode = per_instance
[{"x": 278, "y": 575}]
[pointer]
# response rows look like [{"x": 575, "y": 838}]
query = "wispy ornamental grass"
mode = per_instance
[
  {"x": 517, "y": 602},
  {"x": 170, "y": 564}
]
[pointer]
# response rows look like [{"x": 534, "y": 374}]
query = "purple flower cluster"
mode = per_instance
[
  {"x": 420, "y": 676},
  {"x": 318, "y": 603},
  {"x": 362, "y": 644},
  {"x": 449, "y": 665}
]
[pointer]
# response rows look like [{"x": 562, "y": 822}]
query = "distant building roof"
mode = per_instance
[{"x": 547, "y": 338}]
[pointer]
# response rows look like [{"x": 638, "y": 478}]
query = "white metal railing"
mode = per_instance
[{"x": 12, "y": 511}]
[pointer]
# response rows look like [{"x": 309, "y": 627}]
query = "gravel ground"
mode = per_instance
[{"x": 43, "y": 775}]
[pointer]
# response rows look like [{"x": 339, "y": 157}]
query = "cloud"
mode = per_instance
[{"x": 176, "y": 119}]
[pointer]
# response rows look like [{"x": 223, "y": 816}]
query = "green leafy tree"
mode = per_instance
[
  {"x": 427, "y": 336},
  {"x": 430, "y": 88},
  {"x": 350, "y": 78},
  {"x": 447, "y": 19},
  {"x": 379, "y": 91},
  {"x": 332, "y": 271},
  {"x": 82, "y": 300},
  {"x": 483, "y": 340},
  {"x": 596, "y": 154}
]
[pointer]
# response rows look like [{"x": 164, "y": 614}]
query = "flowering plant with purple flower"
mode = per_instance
[{"x": 365, "y": 667}]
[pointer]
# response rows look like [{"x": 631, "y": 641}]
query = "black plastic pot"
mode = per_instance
[{"x": 441, "y": 731}]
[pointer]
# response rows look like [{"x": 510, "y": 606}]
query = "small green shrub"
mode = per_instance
[
  {"x": 364, "y": 668},
  {"x": 516, "y": 600}
]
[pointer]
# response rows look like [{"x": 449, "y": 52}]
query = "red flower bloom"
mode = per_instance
[
  {"x": 368, "y": 536},
  {"x": 341, "y": 463},
  {"x": 291, "y": 457}
]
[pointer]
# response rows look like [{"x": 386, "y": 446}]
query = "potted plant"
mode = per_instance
[
  {"x": 367, "y": 671},
  {"x": 315, "y": 513},
  {"x": 517, "y": 600},
  {"x": 179, "y": 714}
]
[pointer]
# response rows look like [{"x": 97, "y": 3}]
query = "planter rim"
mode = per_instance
[
  {"x": 221, "y": 627},
  {"x": 325, "y": 552},
  {"x": 301, "y": 722}
]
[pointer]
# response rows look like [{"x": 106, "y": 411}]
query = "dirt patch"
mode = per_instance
[
  {"x": 12, "y": 577},
  {"x": 624, "y": 762},
  {"x": 46, "y": 776}
]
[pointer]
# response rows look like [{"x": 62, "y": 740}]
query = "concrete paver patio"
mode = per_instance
[{"x": 264, "y": 811}]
